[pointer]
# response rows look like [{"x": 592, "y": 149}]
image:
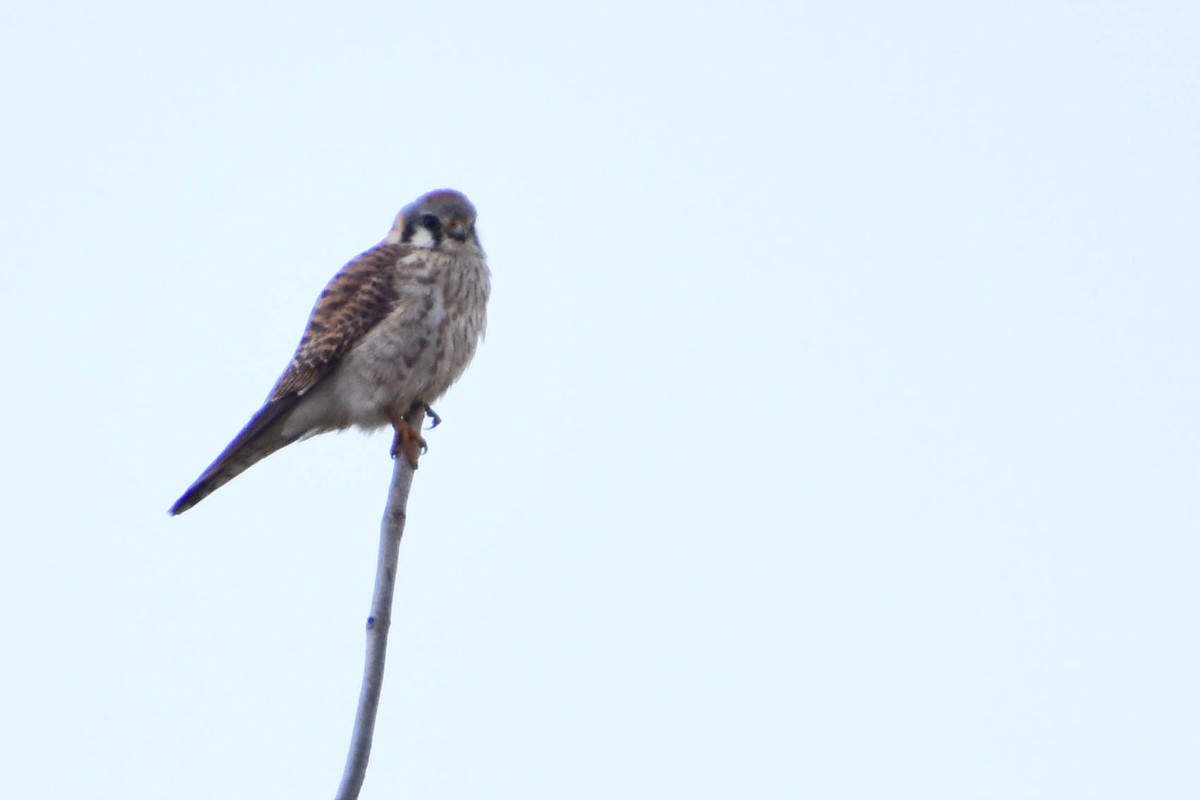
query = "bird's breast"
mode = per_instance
[{"x": 420, "y": 348}]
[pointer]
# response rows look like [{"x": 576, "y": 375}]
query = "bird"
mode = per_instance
[{"x": 389, "y": 335}]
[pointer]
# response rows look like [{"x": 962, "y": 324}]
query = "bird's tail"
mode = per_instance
[{"x": 261, "y": 437}]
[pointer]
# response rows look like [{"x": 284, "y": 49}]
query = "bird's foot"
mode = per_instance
[
  {"x": 434, "y": 419},
  {"x": 408, "y": 441}
]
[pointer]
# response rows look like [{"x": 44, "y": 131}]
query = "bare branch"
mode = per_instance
[{"x": 378, "y": 623}]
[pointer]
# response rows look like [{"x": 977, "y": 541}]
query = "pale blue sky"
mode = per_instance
[{"x": 835, "y": 435}]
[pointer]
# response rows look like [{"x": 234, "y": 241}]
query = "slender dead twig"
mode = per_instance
[{"x": 378, "y": 623}]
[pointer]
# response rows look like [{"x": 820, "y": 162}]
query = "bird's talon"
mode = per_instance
[
  {"x": 434, "y": 419},
  {"x": 408, "y": 442}
]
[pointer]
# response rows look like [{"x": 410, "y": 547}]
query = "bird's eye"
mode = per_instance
[{"x": 431, "y": 223}]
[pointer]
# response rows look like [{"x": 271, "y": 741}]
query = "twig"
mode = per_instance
[{"x": 392, "y": 529}]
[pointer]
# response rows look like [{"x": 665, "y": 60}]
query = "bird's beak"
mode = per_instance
[{"x": 458, "y": 230}]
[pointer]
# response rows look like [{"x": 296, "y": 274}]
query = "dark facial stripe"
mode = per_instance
[{"x": 427, "y": 221}]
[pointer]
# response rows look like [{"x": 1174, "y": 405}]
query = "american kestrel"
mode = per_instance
[{"x": 390, "y": 334}]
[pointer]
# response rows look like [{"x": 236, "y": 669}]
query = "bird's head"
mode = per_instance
[{"x": 440, "y": 220}]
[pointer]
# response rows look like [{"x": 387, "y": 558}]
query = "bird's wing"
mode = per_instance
[
  {"x": 262, "y": 436},
  {"x": 358, "y": 298}
]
